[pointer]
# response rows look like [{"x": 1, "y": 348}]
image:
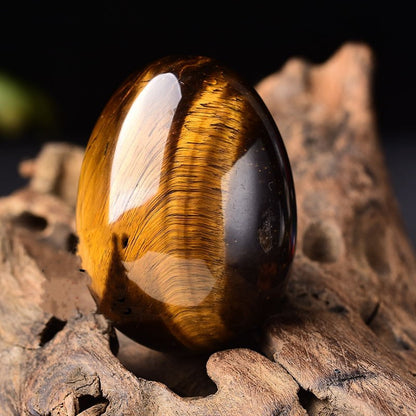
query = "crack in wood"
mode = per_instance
[
  {"x": 52, "y": 327},
  {"x": 340, "y": 378},
  {"x": 373, "y": 314}
]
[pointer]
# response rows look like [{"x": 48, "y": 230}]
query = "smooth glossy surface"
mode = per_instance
[{"x": 186, "y": 211}]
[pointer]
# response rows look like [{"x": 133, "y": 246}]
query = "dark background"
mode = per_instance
[{"x": 79, "y": 55}]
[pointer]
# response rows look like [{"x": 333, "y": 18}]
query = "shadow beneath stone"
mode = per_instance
[{"x": 184, "y": 375}]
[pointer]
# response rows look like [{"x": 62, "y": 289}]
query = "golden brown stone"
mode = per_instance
[{"x": 186, "y": 210}]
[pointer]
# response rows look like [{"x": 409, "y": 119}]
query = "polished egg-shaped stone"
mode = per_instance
[{"x": 186, "y": 212}]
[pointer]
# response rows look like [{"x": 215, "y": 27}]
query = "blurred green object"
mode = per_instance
[{"x": 24, "y": 109}]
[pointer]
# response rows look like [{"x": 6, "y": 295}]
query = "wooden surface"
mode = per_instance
[{"x": 343, "y": 340}]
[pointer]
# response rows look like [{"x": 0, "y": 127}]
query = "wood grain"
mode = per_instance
[{"x": 351, "y": 296}]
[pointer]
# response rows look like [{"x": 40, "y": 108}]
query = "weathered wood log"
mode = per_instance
[{"x": 343, "y": 339}]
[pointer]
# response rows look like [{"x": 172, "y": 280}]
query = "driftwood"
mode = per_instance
[{"x": 343, "y": 340}]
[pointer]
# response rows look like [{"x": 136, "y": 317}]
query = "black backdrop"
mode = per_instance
[{"x": 80, "y": 54}]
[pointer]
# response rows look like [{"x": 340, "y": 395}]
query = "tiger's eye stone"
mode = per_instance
[{"x": 186, "y": 211}]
